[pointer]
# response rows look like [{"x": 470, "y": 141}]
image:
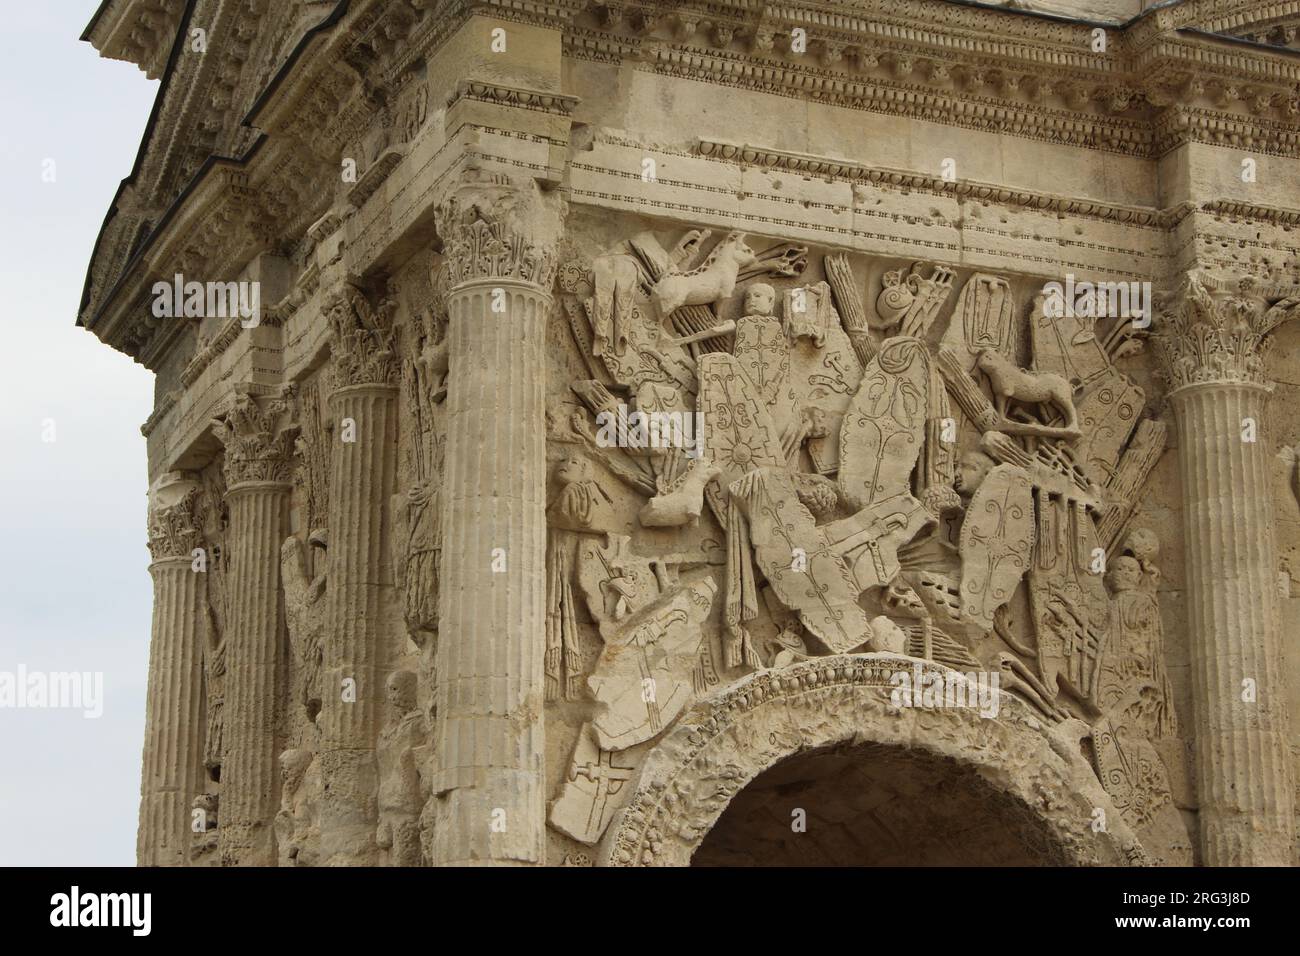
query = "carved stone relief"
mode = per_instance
[{"x": 884, "y": 483}]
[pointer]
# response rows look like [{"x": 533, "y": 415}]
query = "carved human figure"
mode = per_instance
[
  {"x": 204, "y": 810},
  {"x": 214, "y": 681},
  {"x": 432, "y": 365},
  {"x": 574, "y": 509},
  {"x": 1134, "y": 680},
  {"x": 972, "y": 468},
  {"x": 304, "y": 611},
  {"x": 417, "y": 555},
  {"x": 208, "y": 806},
  {"x": 763, "y": 352},
  {"x": 1143, "y": 545},
  {"x": 297, "y": 824},
  {"x": 579, "y": 495},
  {"x": 400, "y": 796}
]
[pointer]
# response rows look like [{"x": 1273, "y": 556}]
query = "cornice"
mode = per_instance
[
  {"x": 1003, "y": 71},
  {"x": 557, "y": 104},
  {"x": 1228, "y": 16},
  {"x": 137, "y": 31},
  {"x": 978, "y": 68}
]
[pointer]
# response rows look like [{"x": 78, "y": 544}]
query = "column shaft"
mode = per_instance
[
  {"x": 173, "y": 744},
  {"x": 363, "y": 473},
  {"x": 248, "y": 773},
  {"x": 1242, "y": 755},
  {"x": 490, "y": 687}
]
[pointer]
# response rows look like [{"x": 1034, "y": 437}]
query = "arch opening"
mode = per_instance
[
  {"x": 873, "y": 804},
  {"x": 885, "y": 784}
]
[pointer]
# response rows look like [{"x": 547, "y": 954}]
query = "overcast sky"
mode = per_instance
[{"x": 74, "y": 587}]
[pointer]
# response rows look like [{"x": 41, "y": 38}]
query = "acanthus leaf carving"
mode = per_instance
[
  {"x": 258, "y": 436},
  {"x": 175, "y": 530},
  {"x": 1214, "y": 330},
  {"x": 494, "y": 230},
  {"x": 364, "y": 345}
]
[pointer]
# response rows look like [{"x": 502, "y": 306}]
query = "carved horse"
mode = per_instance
[{"x": 715, "y": 279}]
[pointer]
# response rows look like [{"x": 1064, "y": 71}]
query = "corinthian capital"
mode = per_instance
[
  {"x": 1215, "y": 330},
  {"x": 363, "y": 349},
  {"x": 258, "y": 435},
  {"x": 492, "y": 229},
  {"x": 175, "y": 529}
]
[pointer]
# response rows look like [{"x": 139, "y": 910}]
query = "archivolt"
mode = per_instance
[{"x": 724, "y": 741}]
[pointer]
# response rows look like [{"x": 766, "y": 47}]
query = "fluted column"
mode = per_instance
[
  {"x": 362, "y": 476},
  {"x": 258, "y": 446},
  {"x": 1211, "y": 343},
  {"x": 173, "y": 744},
  {"x": 490, "y": 685}
]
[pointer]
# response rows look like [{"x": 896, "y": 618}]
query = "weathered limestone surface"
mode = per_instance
[
  {"x": 173, "y": 748},
  {"x": 362, "y": 471},
  {"x": 670, "y": 437},
  {"x": 1212, "y": 347},
  {"x": 488, "y": 776},
  {"x": 248, "y": 765},
  {"x": 256, "y": 464}
]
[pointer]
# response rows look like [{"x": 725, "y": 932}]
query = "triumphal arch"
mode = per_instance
[{"x": 632, "y": 433}]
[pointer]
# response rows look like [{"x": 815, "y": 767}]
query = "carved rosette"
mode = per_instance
[
  {"x": 363, "y": 350},
  {"x": 258, "y": 439},
  {"x": 175, "y": 530},
  {"x": 1215, "y": 331},
  {"x": 481, "y": 246}
]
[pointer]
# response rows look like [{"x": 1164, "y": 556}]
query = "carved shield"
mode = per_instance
[
  {"x": 1067, "y": 345},
  {"x": 983, "y": 319},
  {"x": 763, "y": 352},
  {"x": 739, "y": 434},
  {"x": 643, "y": 678},
  {"x": 825, "y": 377},
  {"x": 997, "y": 538},
  {"x": 592, "y": 790},
  {"x": 884, "y": 427},
  {"x": 801, "y": 568},
  {"x": 1134, "y": 776},
  {"x": 1108, "y": 413}
]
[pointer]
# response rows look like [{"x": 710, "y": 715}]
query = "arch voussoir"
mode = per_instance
[{"x": 724, "y": 741}]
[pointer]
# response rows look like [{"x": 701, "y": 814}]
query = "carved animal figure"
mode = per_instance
[
  {"x": 715, "y": 279},
  {"x": 1011, "y": 383}
]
